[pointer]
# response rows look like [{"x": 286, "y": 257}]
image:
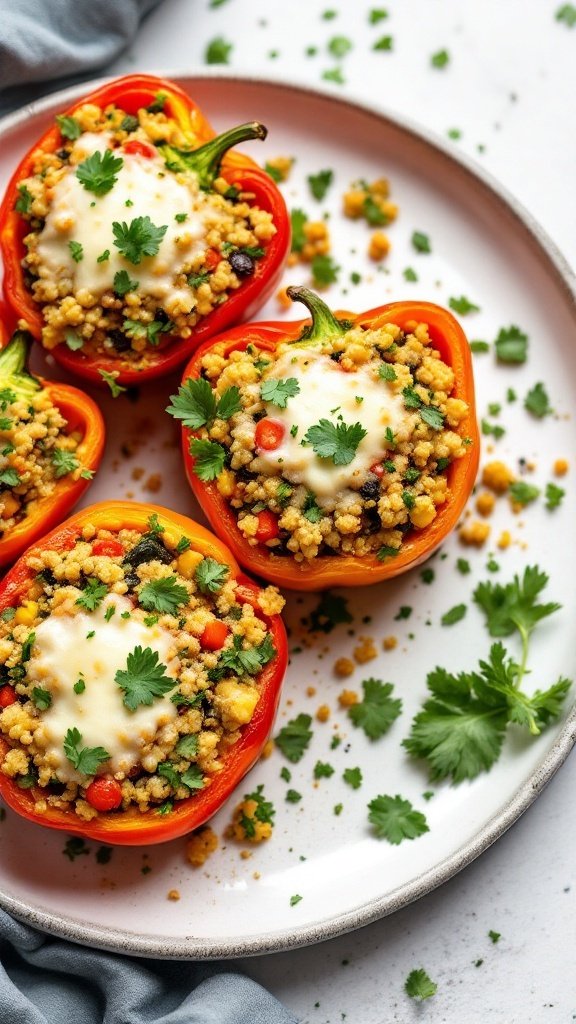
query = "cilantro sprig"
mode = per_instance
[
  {"x": 294, "y": 737},
  {"x": 395, "y": 819},
  {"x": 377, "y": 711},
  {"x": 336, "y": 441},
  {"x": 139, "y": 238},
  {"x": 86, "y": 759},
  {"x": 241, "y": 660},
  {"x": 164, "y": 595},
  {"x": 514, "y": 606},
  {"x": 92, "y": 595},
  {"x": 279, "y": 391},
  {"x": 144, "y": 678},
  {"x": 209, "y": 458},
  {"x": 99, "y": 172},
  {"x": 419, "y": 984},
  {"x": 210, "y": 575},
  {"x": 197, "y": 405}
]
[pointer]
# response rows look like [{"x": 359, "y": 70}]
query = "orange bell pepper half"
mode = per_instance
[
  {"x": 83, "y": 417},
  {"x": 212, "y": 158},
  {"x": 132, "y": 827},
  {"x": 336, "y": 570}
]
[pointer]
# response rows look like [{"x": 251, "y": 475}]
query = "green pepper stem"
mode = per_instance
[
  {"x": 14, "y": 374},
  {"x": 205, "y": 161},
  {"x": 324, "y": 327}
]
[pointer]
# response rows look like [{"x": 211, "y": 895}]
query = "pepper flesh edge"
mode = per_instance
[
  {"x": 133, "y": 92},
  {"x": 133, "y": 827},
  {"x": 328, "y": 571}
]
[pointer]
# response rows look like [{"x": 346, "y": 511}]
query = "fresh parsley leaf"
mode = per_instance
[
  {"x": 24, "y": 201},
  {"x": 537, "y": 401},
  {"x": 432, "y": 416},
  {"x": 243, "y": 660},
  {"x": 64, "y": 462},
  {"x": 279, "y": 391},
  {"x": 164, "y": 595},
  {"x": 421, "y": 242},
  {"x": 323, "y": 770},
  {"x": 353, "y": 777},
  {"x": 377, "y": 711},
  {"x": 387, "y": 372},
  {"x": 554, "y": 496},
  {"x": 298, "y": 220},
  {"x": 324, "y": 270},
  {"x": 395, "y": 819},
  {"x": 85, "y": 760},
  {"x": 158, "y": 103},
  {"x": 70, "y": 127},
  {"x": 310, "y": 510},
  {"x": 522, "y": 493},
  {"x": 193, "y": 777},
  {"x": 320, "y": 183},
  {"x": 138, "y": 239},
  {"x": 99, "y": 172},
  {"x": 440, "y": 59},
  {"x": 494, "y": 936},
  {"x": 209, "y": 458},
  {"x": 92, "y": 595},
  {"x": 386, "y": 551},
  {"x": 385, "y": 43},
  {"x": 263, "y": 811},
  {"x": 479, "y": 346},
  {"x": 331, "y": 611},
  {"x": 335, "y": 441},
  {"x": 463, "y": 306},
  {"x": 514, "y": 605},
  {"x": 455, "y": 614},
  {"x": 218, "y": 51},
  {"x": 9, "y": 477},
  {"x": 109, "y": 377},
  {"x": 129, "y": 123},
  {"x": 567, "y": 14},
  {"x": 409, "y": 274},
  {"x": 294, "y": 738},
  {"x": 197, "y": 406},
  {"x": 210, "y": 575},
  {"x": 76, "y": 251},
  {"x": 511, "y": 345},
  {"x": 41, "y": 698},
  {"x": 123, "y": 283},
  {"x": 377, "y": 14},
  {"x": 419, "y": 985},
  {"x": 144, "y": 678},
  {"x": 187, "y": 746}
]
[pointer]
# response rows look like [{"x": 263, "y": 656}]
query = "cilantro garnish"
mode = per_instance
[
  {"x": 164, "y": 595},
  {"x": 537, "y": 401},
  {"x": 218, "y": 51},
  {"x": 567, "y": 14},
  {"x": 92, "y": 595},
  {"x": 353, "y": 777},
  {"x": 514, "y": 605},
  {"x": 339, "y": 46},
  {"x": 461, "y": 728},
  {"x": 187, "y": 746},
  {"x": 324, "y": 270},
  {"x": 158, "y": 103},
  {"x": 9, "y": 477},
  {"x": 386, "y": 551},
  {"x": 320, "y": 183},
  {"x": 377, "y": 711},
  {"x": 210, "y": 575},
  {"x": 523, "y": 493},
  {"x": 453, "y": 615},
  {"x": 144, "y": 678},
  {"x": 385, "y": 43},
  {"x": 263, "y": 811},
  {"x": 70, "y": 127},
  {"x": 99, "y": 172},
  {"x": 138, "y": 239},
  {"x": 41, "y": 698},
  {"x": 294, "y": 737},
  {"x": 479, "y": 346},
  {"x": 334, "y": 75},
  {"x": 209, "y": 458},
  {"x": 330, "y": 611},
  {"x": 243, "y": 660},
  {"x": 123, "y": 283},
  {"x": 298, "y": 219},
  {"x": 335, "y": 441},
  {"x": 63, "y": 461},
  {"x": 279, "y": 391},
  {"x": 554, "y": 495},
  {"x": 511, "y": 345},
  {"x": 387, "y": 372},
  {"x": 87, "y": 759},
  {"x": 197, "y": 405},
  {"x": 419, "y": 985},
  {"x": 409, "y": 274},
  {"x": 377, "y": 14},
  {"x": 293, "y": 796},
  {"x": 440, "y": 59},
  {"x": 76, "y": 251},
  {"x": 310, "y": 510},
  {"x": 24, "y": 201},
  {"x": 110, "y": 380},
  {"x": 395, "y": 819},
  {"x": 104, "y": 256},
  {"x": 462, "y": 305},
  {"x": 421, "y": 242}
]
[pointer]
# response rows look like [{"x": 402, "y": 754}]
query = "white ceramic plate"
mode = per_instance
[{"x": 486, "y": 248}]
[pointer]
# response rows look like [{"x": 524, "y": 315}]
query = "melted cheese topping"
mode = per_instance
[
  {"x": 62, "y": 655},
  {"x": 326, "y": 392},
  {"x": 143, "y": 188}
]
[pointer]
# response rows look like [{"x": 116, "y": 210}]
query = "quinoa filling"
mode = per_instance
[
  {"x": 132, "y": 660},
  {"x": 335, "y": 447},
  {"x": 129, "y": 244}
]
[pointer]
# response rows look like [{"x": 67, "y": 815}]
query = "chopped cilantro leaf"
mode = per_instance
[
  {"x": 537, "y": 401},
  {"x": 334, "y": 75},
  {"x": 479, "y": 346},
  {"x": 41, "y": 698},
  {"x": 24, "y": 201},
  {"x": 453, "y": 615},
  {"x": 310, "y": 510},
  {"x": 511, "y": 345},
  {"x": 209, "y": 458},
  {"x": 143, "y": 678},
  {"x": 421, "y": 242},
  {"x": 164, "y": 595},
  {"x": 76, "y": 251},
  {"x": 9, "y": 477},
  {"x": 387, "y": 372},
  {"x": 385, "y": 43},
  {"x": 110, "y": 379},
  {"x": 70, "y": 127},
  {"x": 409, "y": 274},
  {"x": 323, "y": 770},
  {"x": 324, "y": 270},
  {"x": 279, "y": 391},
  {"x": 210, "y": 575},
  {"x": 395, "y": 819},
  {"x": 522, "y": 493},
  {"x": 463, "y": 306},
  {"x": 85, "y": 760},
  {"x": 339, "y": 46},
  {"x": 377, "y": 711},
  {"x": 123, "y": 283},
  {"x": 298, "y": 219},
  {"x": 197, "y": 405},
  {"x": 375, "y": 216},
  {"x": 138, "y": 239},
  {"x": 440, "y": 59},
  {"x": 92, "y": 595},
  {"x": 335, "y": 441},
  {"x": 63, "y": 461},
  {"x": 353, "y": 777},
  {"x": 330, "y": 611},
  {"x": 99, "y": 172},
  {"x": 419, "y": 985},
  {"x": 320, "y": 183},
  {"x": 567, "y": 14},
  {"x": 218, "y": 51},
  {"x": 294, "y": 737},
  {"x": 554, "y": 495}
]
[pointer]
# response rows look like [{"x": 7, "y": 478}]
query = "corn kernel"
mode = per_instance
[
  {"x": 187, "y": 563},
  {"x": 225, "y": 483},
  {"x": 26, "y": 614}
]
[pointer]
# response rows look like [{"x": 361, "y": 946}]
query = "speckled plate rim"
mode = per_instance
[{"x": 541, "y": 246}]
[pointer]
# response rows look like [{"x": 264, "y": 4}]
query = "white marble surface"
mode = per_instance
[{"x": 510, "y": 87}]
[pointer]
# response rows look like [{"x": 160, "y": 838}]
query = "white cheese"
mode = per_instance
[
  {"x": 62, "y": 655},
  {"x": 327, "y": 392},
  {"x": 143, "y": 188}
]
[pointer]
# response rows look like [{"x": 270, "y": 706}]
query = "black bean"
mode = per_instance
[
  {"x": 241, "y": 263},
  {"x": 370, "y": 490}
]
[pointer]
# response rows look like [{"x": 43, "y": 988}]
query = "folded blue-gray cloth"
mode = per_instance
[
  {"x": 58, "y": 42},
  {"x": 49, "y": 981},
  {"x": 45, "y": 44}
]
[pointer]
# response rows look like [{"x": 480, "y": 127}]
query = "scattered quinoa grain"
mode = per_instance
[
  {"x": 310, "y": 691},
  {"x": 474, "y": 533},
  {"x": 347, "y": 698},
  {"x": 497, "y": 477},
  {"x": 389, "y": 643},
  {"x": 365, "y": 651},
  {"x": 485, "y": 503},
  {"x": 153, "y": 483},
  {"x": 200, "y": 845},
  {"x": 283, "y": 299},
  {"x": 504, "y": 540},
  {"x": 173, "y": 894},
  {"x": 561, "y": 467},
  {"x": 323, "y": 713},
  {"x": 343, "y": 667},
  {"x": 379, "y": 246}
]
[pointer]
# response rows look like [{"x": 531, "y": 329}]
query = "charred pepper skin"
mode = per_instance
[
  {"x": 132, "y": 93},
  {"x": 328, "y": 571},
  {"x": 133, "y": 827}
]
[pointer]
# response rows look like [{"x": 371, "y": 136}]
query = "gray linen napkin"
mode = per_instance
[
  {"x": 45, "y": 980},
  {"x": 49, "y": 981}
]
